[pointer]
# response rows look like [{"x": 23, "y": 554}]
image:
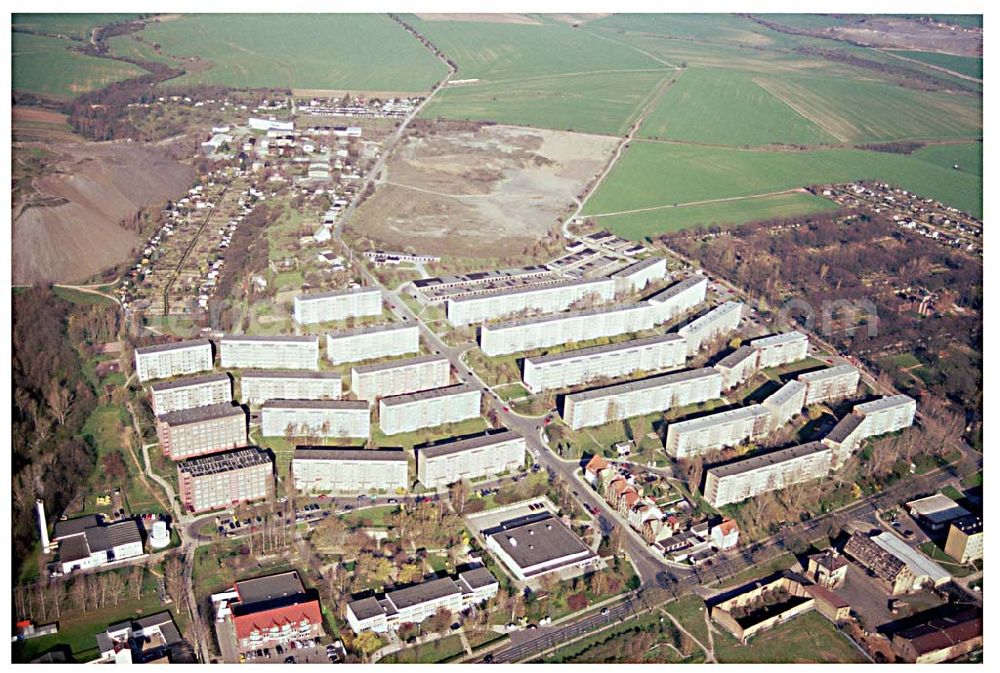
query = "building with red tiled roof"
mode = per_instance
[
  {"x": 274, "y": 609},
  {"x": 829, "y": 604},
  {"x": 941, "y": 638},
  {"x": 594, "y": 468},
  {"x": 726, "y": 535}
]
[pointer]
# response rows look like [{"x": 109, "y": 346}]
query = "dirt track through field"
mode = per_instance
[{"x": 701, "y": 203}]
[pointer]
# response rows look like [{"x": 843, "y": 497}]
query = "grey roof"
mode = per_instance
[
  {"x": 396, "y": 364},
  {"x": 188, "y": 382},
  {"x": 270, "y": 587},
  {"x": 970, "y": 525},
  {"x": 828, "y": 373},
  {"x": 736, "y": 358},
  {"x": 721, "y": 417},
  {"x": 711, "y": 316},
  {"x": 337, "y": 293},
  {"x": 645, "y": 384},
  {"x": 938, "y": 508},
  {"x": 887, "y": 402},
  {"x": 477, "y": 578},
  {"x": 775, "y": 339},
  {"x": 372, "y": 329},
  {"x": 174, "y": 345},
  {"x": 766, "y": 459},
  {"x": 201, "y": 414},
  {"x": 103, "y": 538},
  {"x": 468, "y": 444},
  {"x": 75, "y": 526},
  {"x": 481, "y": 276},
  {"x": 784, "y": 393},
  {"x": 365, "y": 608},
  {"x": 536, "y": 540},
  {"x": 565, "y": 316},
  {"x": 315, "y": 404},
  {"x": 288, "y": 374},
  {"x": 235, "y": 338},
  {"x": 844, "y": 428},
  {"x": 421, "y": 593},
  {"x": 531, "y": 289},
  {"x": 104, "y": 642},
  {"x": 74, "y": 548},
  {"x": 677, "y": 288},
  {"x": 224, "y": 462},
  {"x": 445, "y": 391},
  {"x": 636, "y": 267},
  {"x": 606, "y": 348},
  {"x": 334, "y": 453}
]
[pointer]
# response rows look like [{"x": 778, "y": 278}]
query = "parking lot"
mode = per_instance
[{"x": 296, "y": 651}]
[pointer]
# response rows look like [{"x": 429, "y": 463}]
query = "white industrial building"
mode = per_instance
[
  {"x": 678, "y": 298},
  {"x": 270, "y": 352},
  {"x": 887, "y": 414},
  {"x": 785, "y": 403},
  {"x": 191, "y": 392},
  {"x": 319, "y": 418},
  {"x": 737, "y": 367},
  {"x": 636, "y": 276},
  {"x": 717, "y": 322},
  {"x": 428, "y": 408},
  {"x": 260, "y": 124},
  {"x": 483, "y": 456},
  {"x": 832, "y": 383},
  {"x": 329, "y": 306},
  {"x": 259, "y": 386},
  {"x": 164, "y": 361},
  {"x": 781, "y": 349},
  {"x": 569, "y": 368},
  {"x": 539, "y": 298},
  {"x": 368, "y": 343},
  {"x": 319, "y": 469},
  {"x": 766, "y": 472},
  {"x": 637, "y": 398},
  {"x": 87, "y": 542},
  {"x": 398, "y": 377},
  {"x": 686, "y": 439}
]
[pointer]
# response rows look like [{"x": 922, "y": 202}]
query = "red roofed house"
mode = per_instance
[
  {"x": 274, "y": 609},
  {"x": 726, "y": 535},
  {"x": 593, "y": 469}
]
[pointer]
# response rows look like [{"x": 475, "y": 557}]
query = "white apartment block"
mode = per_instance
[
  {"x": 173, "y": 359},
  {"x": 638, "y": 275},
  {"x": 569, "y": 368},
  {"x": 368, "y": 343},
  {"x": 270, "y": 352},
  {"x": 845, "y": 438},
  {"x": 259, "y": 386},
  {"x": 785, "y": 403},
  {"x": 399, "y": 377},
  {"x": 720, "y": 320},
  {"x": 887, "y": 414},
  {"x": 428, "y": 408},
  {"x": 543, "y": 299},
  {"x": 318, "y": 469},
  {"x": 781, "y": 349},
  {"x": 522, "y": 335},
  {"x": 328, "y": 306},
  {"x": 320, "y": 418},
  {"x": 678, "y": 298},
  {"x": 191, "y": 392},
  {"x": 482, "y": 456},
  {"x": 686, "y": 439},
  {"x": 737, "y": 367},
  {"x": 767, "y": 472},
  {"x": 832, "y": 383},
  {"x": 637, "y": 398}
]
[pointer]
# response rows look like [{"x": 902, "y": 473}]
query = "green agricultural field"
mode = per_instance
[
  {"x": 964, "y": 65},
  {"x": 357, "y": 52},
  {"x": 806, "y": 21},
  {"x": 720, "y": 28},
  {"x": 968, "y": 156},
  {"x": 79, "y": 26},
  {"x": 47, "y": 66}
]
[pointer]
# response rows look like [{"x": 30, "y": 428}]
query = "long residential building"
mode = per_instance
[
  {"x": 686, "y": 439},
  {"x": 164, "y": 361},
  {"x": 310, "y": 309},
  {"x": 637, "y": 398},
  {"x": 717, "y": 322},
  {"x": 482, "y": 456},
  {"x": 428, "y": 408},
  {"x": 781, "y": 349},
  {"x": 737, "y": 367},
  {"x": 767, "y": 472},
  {"x": 319, "y": 469},
  {"x": 398, "y": 377},
  {"x": 320, "y": 418},
  {"x": 678, "y": 298},
  {"x": 638, "y": 275},
  {"x": 888, "y": 414},
  {"x": 785, "y": 403},
  {"x": 544, "y": 299},
  {"x": 259, "y": 386},
  {"x": 368, "y": 343},
  {"x": 225, "y": 479},
  {"x": 270, "y": 352},
  {"x": 832, "y": 383},
  {"x": 190, "y": 392},
  {"x": 195, "y": 432},
  {"x": 845, "y": 438},
  {"x": 569, "y": 368}
]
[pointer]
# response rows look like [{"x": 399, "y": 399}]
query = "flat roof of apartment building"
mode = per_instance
[
  {"x": 202, "y": 414},
  {"x": 677, "y": 288},
  {"x": 883, "y": 403},
  {"x": 336, "y": 293},
  {"x": 775, "y": 339},
  {"x": 768, "y": 459},
  {"x": 312, "y": 339},
  {"x": 433, "y": 393},
  {"x": 645, "y": 384},
  {"x": 398, "y": 364},
  {"x": 736, "y": 358},
  {"x": 566, "y": 315},
  {"x": 707, "y": 318},
  {"x": 188, "y": 382},
  {"x": 636, "y": 267},
  {"x": 172, "y": 346},
  {"x": 481, "y": 276},
  {"x": 531, "y": 289},
  {"x": 372, "y": 329},
  {"x": 225, "y": 462},
  {"x": 844, "y": 428},
  {"x": 288, "y": 374},
  {"x": 606, "y": 348},
  {"x": 269, "y": 588},
  {"x": 721, "y": 417},
  {"x": 828, "y": 373},
  {"x": 315, "y": 404},
  {"x": 469, "y": 444},
  {"x": 346, "y": 453},
  {"x": 784, "y": 393}
]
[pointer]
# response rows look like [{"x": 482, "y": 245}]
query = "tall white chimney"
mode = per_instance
[{"x": 43, "y": 526}]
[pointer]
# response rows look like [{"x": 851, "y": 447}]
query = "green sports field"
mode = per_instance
[
  {"x": 965, "y": 65},
  {"x": 46, "y": 66}
]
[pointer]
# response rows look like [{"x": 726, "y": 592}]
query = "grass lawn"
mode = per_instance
[
  {"x": 513, "y": 391},
  {"x": 973, "y": 480},
  {"x": 428, "y": 653},
  {"x": 407, "y": 440},
  {"x": 690, "y": 612},
  {"x": 783, "y": 562},
  {"x": 948, "y": 563},
  {"x": 46, "y": 66},
  {"x": 374, "y": 517},
  {"x": 808, "y": 638},
  {"x": 83, "y": 298}
]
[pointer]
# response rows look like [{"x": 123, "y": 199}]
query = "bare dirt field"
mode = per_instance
[
  {"x": 897, "y": 33},
  {"x": 483, "y": 18},
  {"x": 453, "y": 191}
]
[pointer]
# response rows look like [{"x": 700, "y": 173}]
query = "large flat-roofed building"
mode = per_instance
[
  {"x": 832, "y": 383},
  {"x": 190, "y": 392},
  {"x": 438, "y": 289},
  {"x": 636, "y": 398},
  {"x": 196, "y": 432},
  {"x": 785, "y": 403},
  {"x": 87, "y": 542},
  {"x": 737, "y": 367},
  {"x": 536, "y": 544},
  {"x": 717, "y": 322},
  {"x": 481, "y": 456},
  {"x": 678, "y": 298},
  {"x": 368, "y": 343},
  {"x": 965, "y": 539},
  {"x": 225, "y": 479},
  {"x": 310, "y": 309},
  {"x": 697, "y": 436},
  {"x": 318, "y": 469},
  {"x": 544, "y": 299},
  {"x": 257, "y": 387},
  {"x": 845, "y": 438},
  {"x": 180, "y": 358},
  {"x": 888, "y": 414},
  {"x": 936, "y": 512},
  {"x": 320, "y": 418},
  {"x": 272, "y": 610},
  {"x": 398, "y": 377},
  {"x": 780, "y": 349},
  {"x": 414, "y": 604},
  {"x": 637, "y": 275},
  {"x": 569, "y": 368},
  {"x": 530, "y": 333},
  {"x": 270, "y": 352},
  {"x": 771, "y": 471},
  {"x": 428, "y": 408}
]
